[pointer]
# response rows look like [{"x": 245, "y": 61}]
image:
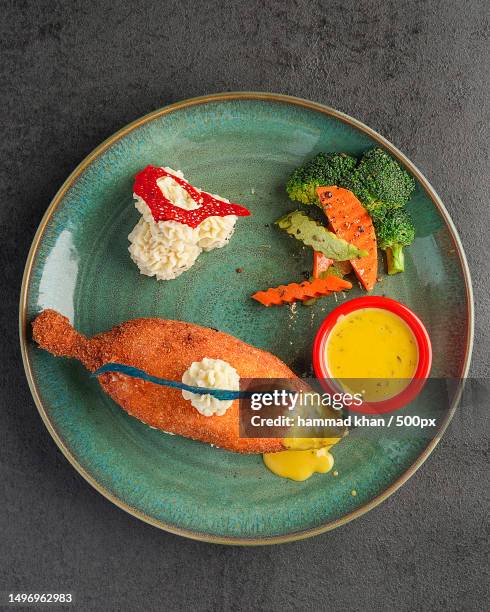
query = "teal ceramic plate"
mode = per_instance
[{"x": 242, "y": 146}]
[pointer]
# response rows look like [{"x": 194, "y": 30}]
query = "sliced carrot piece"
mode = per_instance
[
  {"x": 351, "y": 221},
  {"x": 285, "y": 294},
  {"x": 320, "y": 263}
]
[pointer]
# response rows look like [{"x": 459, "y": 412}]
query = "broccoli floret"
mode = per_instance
[
  {"x": 394, "y": 230},
  {"x": 379, "y": 182},
  {"x": 323, "y": 169}
]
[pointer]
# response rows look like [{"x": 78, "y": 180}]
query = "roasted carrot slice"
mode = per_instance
[
  {"x": 351, "y": 221},
  {"x": 320, "y": 263},
  {"x": 285, "y": 294}
]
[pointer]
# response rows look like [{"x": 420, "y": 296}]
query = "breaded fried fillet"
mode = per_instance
[{"x": 166, "y": 349}]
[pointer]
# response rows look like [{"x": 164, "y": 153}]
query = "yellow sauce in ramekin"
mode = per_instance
[{"x": 372, "y": 351}]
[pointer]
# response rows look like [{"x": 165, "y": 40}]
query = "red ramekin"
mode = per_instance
[{"x": 418, "y": 330}]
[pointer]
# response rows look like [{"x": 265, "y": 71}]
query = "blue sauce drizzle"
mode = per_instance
[{"x": 219, "y": 394}]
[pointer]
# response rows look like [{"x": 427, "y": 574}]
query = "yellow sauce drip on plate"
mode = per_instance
[
  {"x": 304, "y": 457},
  {"x": 372, "y": 351},
  {"x": 299, "y": 464}
]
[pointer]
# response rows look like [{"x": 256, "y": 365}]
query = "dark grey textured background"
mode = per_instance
[{"x": 74, "y": 72}]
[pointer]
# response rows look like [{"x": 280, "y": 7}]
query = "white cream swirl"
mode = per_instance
[{"x": 210, "y": 374}]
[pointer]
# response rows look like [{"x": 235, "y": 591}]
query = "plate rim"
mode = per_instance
[{"x": 224, "y": 97}]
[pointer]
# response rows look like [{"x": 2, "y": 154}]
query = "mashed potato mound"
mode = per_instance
[
  {"x": 168, "y": 248},
  {"x": 215, "y": 232},
  {"x": 163, "y": 252}
]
